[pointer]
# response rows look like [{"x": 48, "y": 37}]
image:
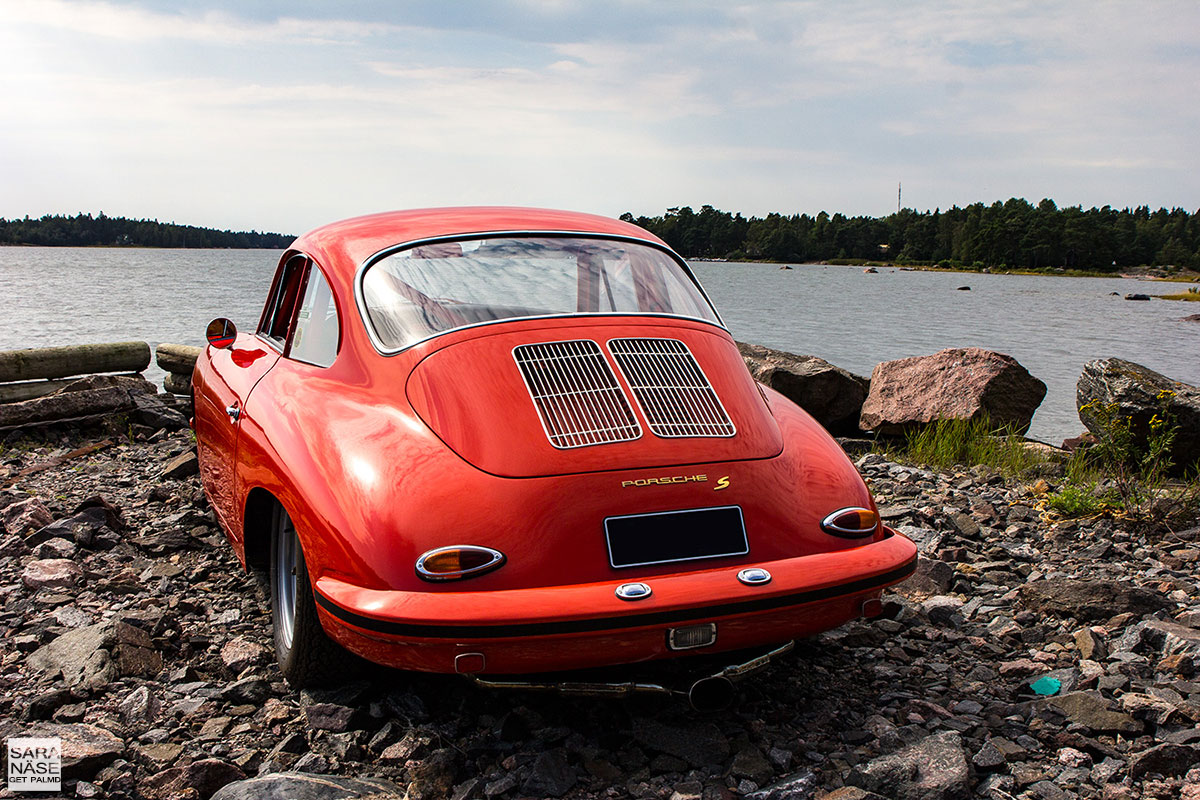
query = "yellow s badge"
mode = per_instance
[{"x": 722, "y": 483}]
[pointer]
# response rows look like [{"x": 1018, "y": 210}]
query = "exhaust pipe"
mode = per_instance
[{"x": 714, "y": 693}]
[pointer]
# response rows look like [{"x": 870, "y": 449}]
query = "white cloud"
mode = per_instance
[
  {"x": 134, "y": 24},
  {"x": 754, "y": 107}
]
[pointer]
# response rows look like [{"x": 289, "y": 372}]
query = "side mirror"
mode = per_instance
[{"x": 221, "y": 333}]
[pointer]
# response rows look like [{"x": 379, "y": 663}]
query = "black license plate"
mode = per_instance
[{"x": 641, "y": 539}]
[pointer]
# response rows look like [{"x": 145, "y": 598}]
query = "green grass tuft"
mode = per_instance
[{"x": 953, "y": 442}]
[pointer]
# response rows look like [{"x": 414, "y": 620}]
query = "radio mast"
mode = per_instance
[{"x": 899, "y": 186}]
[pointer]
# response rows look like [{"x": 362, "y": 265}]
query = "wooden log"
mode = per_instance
[
  {"x": 178, "y": 359},
  {"x": 28, "y": 390},
  {"x": 66, "y": 405},
  {"x": 178, "y": 384},
  {"x": 81, "y": 359},
  {"x": 85, "y": 397}
]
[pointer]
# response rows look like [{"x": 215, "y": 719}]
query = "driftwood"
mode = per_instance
[
  {"x": 66, "y": 405},
  {"x": 177, "y": 359},
  {"x": 95, "y": 397},
  {"x": 63, "y": 362},
  {"x": 58, "y": 460},
  {"x": 28, "y": 390}
]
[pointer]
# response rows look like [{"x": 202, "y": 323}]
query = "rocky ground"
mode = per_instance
[{"x": 1026, "y": 659}]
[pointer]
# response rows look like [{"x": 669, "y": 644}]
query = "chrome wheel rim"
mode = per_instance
[{"x": 286, "y": 566}]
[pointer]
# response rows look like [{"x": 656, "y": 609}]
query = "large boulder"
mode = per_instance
[
  {"x": 94, "y": 656},
  {"x": 830, "y": 394},
  {"x": 960, "y": 383},
  {"x": 1139, "y": 394}
]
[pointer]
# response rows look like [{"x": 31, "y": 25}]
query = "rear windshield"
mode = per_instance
[{"x": 428, "y": 289}]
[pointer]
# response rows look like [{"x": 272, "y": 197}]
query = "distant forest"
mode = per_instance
[
  {"x": 84, "y": 230},
  {"x": 1013, "y": 235}
]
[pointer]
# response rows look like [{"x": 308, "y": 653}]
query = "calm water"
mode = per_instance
[{"x": 55, "y": 296}]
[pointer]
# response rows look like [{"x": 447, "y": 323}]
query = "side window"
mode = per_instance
[
  {"x": 316, "y": 338},
  {"x": 281, "y": 306}
]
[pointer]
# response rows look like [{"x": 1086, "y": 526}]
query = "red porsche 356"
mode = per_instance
[{"x": 498, "y": 440}]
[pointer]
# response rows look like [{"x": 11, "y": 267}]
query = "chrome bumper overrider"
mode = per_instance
[{"x": 732, "y": 673}]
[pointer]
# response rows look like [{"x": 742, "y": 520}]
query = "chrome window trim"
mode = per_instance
[
  {"x": 365, "y": 317},
  {"x": 312, "y": 264}
]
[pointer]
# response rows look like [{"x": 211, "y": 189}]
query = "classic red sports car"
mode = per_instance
[{"x": 502, "y": 440}]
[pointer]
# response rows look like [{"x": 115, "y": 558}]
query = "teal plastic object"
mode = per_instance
[{"x": 1046, "y": 686}]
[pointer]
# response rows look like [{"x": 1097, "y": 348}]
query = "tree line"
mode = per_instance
[
  {"x": 1009, "y": 235},
  {"x": 84, "y": 230}
]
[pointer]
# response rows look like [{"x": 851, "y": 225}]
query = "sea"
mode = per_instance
[{"x": 855, "y": 319}]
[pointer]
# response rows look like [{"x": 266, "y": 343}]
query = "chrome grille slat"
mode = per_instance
[
  {"x": 577, "y": 396},
  {"x": 674, "y": 394}
]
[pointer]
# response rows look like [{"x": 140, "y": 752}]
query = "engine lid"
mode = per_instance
[{"x": 572, "y": 398}]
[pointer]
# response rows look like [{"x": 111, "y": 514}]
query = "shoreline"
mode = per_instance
[{"x": 1142, "y": 273}]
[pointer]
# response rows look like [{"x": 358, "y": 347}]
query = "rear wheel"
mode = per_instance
[{"x": 306, "y": 655}]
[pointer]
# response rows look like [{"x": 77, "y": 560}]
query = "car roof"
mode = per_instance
[{"x": 341, "y": 247}]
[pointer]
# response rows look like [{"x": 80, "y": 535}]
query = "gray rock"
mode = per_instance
[
  {"x": 1136, "y": 390},
  {"x": 155, "y": 412},
  {"x": 801, "y": 785},
  {"x": 943, "y": 610},
  {"x": 82, "y": 527},
  {"x": 830, "y": 394},
  {"x": 951, "y": 384},
  {"x": 700, "y": 745},
  {"x": 330, "y": 717},
  {"x": 1093, "y": 712},
  {"x": 248, "y": 690},
  {"x": 1171, "y": 760},
  {"x": 55, "y": 548},
  {"x": 934, "y": 768},
  {"x": 85, "y": 748},
  {"x": 433, "y": 778},
  {"x": 239, "y": 653},
  {"x": 1169, "y": 638},
  {"x": 140, "y": 707},
  {"x": 931, "y": 576},
  {"x": 94, "y": 656},
  {"x": 1089, "y": 600},
  {"x": 206, "y": 776},
  {"x": 181, "y": 466},
  {"x": 749, "y": 762},
  {"x": 26, "y": 516},
  {"x": 1090, "y": 644},
  {"x": 52, "y": 573},
  {"x": 550, "y": 776}
]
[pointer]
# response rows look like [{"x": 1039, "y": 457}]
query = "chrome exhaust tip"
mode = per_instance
[{"x": 714, "y": 693}]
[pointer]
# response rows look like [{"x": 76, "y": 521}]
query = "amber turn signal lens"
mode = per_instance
[
  {"x": 853, "y": 523},
  {"x": 457, "y": 561}
]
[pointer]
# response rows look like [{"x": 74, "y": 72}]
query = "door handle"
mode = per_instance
[{"x": 234, "y": 411}]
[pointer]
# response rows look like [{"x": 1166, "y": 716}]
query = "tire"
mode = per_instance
[{"x": 307, "y": 657}]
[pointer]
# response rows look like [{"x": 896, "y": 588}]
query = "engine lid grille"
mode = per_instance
[
  {"x": 576, "y": 394},
  {"x": 673, "y": 392}
]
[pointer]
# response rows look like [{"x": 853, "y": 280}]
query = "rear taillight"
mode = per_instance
[
  {"x": 457, "y": 562},
  {"x": 852, "y": 523}
]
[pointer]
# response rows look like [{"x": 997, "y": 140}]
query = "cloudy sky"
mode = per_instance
[{"x": 284, "y": 115}]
